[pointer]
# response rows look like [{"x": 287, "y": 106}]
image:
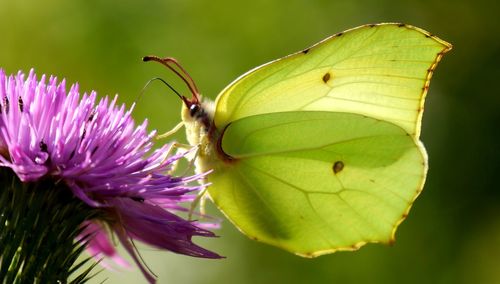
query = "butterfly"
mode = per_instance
[{"x": 319, "y": 151}]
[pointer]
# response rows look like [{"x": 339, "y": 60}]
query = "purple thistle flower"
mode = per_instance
[{"x": 106, "y": 161}]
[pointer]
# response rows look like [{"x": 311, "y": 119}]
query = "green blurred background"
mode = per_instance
[{"x": 453, "y": 232}]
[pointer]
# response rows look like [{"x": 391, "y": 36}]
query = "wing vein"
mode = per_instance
[
  {"x": 305, "y": 193},
  {"x": 301, "y": 149}
]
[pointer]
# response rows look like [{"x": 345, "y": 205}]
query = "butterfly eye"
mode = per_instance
[{"x": 193, "y": 109}]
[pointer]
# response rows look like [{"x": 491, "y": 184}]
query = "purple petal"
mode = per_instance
[{"x": 95, "y": 148}]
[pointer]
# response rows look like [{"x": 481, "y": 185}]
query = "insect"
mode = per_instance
[{"x": 319, "y": 151}]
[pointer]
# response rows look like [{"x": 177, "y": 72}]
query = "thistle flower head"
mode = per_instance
[{"x": 94, "y": 147}]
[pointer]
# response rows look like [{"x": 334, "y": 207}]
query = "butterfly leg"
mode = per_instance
[
  {"x": 201, "y": 196},
  {"x": 171, "y": 131},
  {"x": 191, "y": 157},
  {"x": 178, "y": 147},
  {"x": 200, "y": 199}
]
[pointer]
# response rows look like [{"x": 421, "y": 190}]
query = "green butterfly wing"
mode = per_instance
[
  {"x": 381, "y": 71},
  {"x": 319, "y": 151},
  {"x": 313, "y": 182}
]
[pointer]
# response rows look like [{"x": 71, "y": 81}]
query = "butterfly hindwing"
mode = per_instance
[{"x": 315, "y": 182}]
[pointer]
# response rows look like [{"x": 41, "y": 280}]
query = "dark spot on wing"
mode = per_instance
[
  {"x": 401, "y": 25},
  {"x": 305, "y": 51},
  {"x": 338, "y": 166},
  {"x": 326, "y": 77},
  {"x": 339, "y": 34},
  {"x": 372, "y": 25}
]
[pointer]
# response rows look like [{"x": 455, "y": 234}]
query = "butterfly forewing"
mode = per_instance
[{"x": 381, "y": 71}]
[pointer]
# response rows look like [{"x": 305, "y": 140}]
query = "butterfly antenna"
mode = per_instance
[
  {"x": 174, "y": 66},
  {"x": 164, "y": 82}
]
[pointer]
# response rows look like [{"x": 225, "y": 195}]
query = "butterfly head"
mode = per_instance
[
  {"x": 198, "y": 112},
  {"x": 195, "y": 110}
]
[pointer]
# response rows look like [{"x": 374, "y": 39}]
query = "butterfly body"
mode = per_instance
[
  {"x": 200, "y": 132},
  {"x": 319, "y": 151}
]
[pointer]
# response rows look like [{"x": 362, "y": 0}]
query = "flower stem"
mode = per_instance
[{"x": 39, "y": 222}]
